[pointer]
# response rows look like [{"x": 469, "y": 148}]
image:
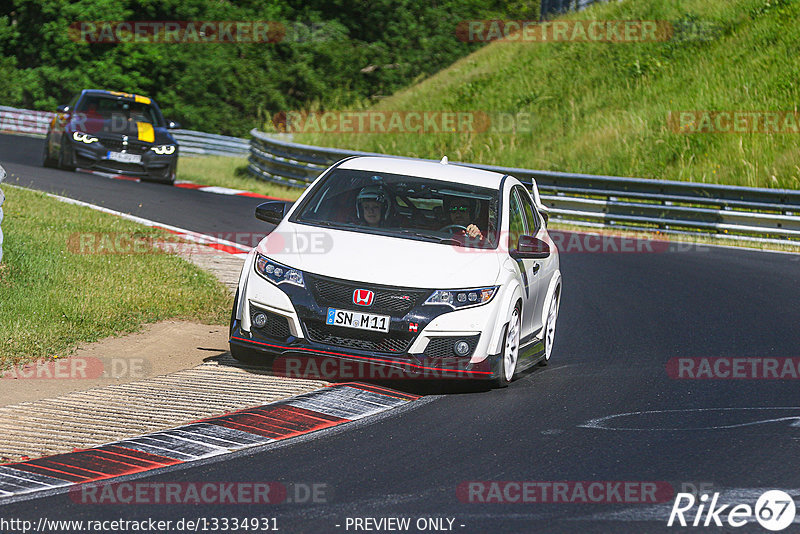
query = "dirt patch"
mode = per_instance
[{"x": 160, "y": 349}]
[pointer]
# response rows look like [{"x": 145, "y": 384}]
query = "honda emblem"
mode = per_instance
[{"x": 363, "y": 297}]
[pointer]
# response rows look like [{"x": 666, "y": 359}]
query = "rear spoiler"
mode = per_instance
[{"x": 537, "y": 200}]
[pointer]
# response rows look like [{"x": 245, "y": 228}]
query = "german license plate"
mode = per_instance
[
  {"x": 362, "y": 321},
  {"x": 123, "y": 157}
]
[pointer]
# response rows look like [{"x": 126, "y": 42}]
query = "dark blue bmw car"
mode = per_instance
[{"x": 113, "y": 132}]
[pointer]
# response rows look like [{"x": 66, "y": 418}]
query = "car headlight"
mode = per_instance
[
  {"x": 277, "y": 273},
  {"x": 84, "y": 138},
  {"x": 462, "y": 298},
  {"x": 164, "y": 149}
]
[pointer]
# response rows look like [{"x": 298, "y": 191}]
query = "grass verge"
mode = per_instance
[
  {"x": 52, "y": 297},
  {"x": 225, "y": 171},
  {"x": 602, "y": 108}
]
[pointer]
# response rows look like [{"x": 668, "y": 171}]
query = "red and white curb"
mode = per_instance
[
  {"x": 187, "y": 185},
  {"x": 223, "y": 190},
  {"x": 221, "y": 245},
  {"x": 288, "y": 418}
]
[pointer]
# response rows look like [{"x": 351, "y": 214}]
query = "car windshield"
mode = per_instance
[
  {"x": 118, "y": 109},
  {"x": 406, "y": 207}
]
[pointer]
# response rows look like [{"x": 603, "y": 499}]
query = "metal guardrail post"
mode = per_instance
[{"x": 2, "y": 199}]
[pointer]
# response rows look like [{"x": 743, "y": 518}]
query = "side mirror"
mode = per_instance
[
  {"x": 63, "y": 108},
  {"x": 531, "y": 248},
  {"x": 172, "y": 125},
  {"x": 271, "y": 212}
]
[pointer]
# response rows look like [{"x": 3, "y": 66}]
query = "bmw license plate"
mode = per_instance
[
  {"x": 123, "y": 157},
  {"x": 362, "y": 321}
]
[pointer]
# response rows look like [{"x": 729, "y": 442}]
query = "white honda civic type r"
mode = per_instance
[{"x": 417, "y": 268}]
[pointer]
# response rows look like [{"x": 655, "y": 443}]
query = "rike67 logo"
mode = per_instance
[{"x": 774, "y": 510}]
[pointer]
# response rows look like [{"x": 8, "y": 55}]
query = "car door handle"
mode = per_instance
[{"x": 536, "y": 268}]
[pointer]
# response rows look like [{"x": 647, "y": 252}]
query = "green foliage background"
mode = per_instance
[{"x": 366, "y": 49}]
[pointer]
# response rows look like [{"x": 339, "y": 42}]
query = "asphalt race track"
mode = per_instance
[
  {"x": 21, "y": 157},
  {"x": 624, "y": 316}
]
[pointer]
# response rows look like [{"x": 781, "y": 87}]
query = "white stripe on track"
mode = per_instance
[{"x": 188, "y": 234}]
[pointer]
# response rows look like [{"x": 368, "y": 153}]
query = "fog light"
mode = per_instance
[
  {"x": 461, "y": 348},
  {"x": 259, "y": 320}
]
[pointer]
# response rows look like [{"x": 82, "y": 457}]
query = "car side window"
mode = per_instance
[
  {"x": 530, "y": 214},
  {"x": 516, "y": 221}
]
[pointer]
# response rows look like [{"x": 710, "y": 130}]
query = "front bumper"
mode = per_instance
[
  {"x": 94, "y": 157},
  {"x": 302, "y": 359},
  {"x": 419, "y": 345}
]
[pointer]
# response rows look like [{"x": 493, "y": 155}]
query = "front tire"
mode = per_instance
[
  {"x": 164, "y": 176},
  {"x": 169, "y": 180},
  {"x": 65, "y": 157},
  {"x": 507, "y": 363},
  {"x": 550, "y": 326},
  {"x": 48, "y": 161}
]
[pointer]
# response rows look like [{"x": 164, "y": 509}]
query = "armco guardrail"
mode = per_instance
[
  {"x": 589, "y": 200},
  {"x": 206, "y": 144},
  {"x": 25, "y": 121}
]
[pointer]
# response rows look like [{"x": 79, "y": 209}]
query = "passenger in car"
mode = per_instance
[{"x": 372, "y": 206}]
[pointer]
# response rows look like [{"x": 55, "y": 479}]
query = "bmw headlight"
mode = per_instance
[
  {"x": 164, "y": 150},
  {"x": 277, "y": 273},
  {"x": 462, "y": 298},
  {"x": 84, "y": 138}
]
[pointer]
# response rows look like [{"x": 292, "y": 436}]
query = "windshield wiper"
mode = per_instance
[
  {"x": 331, "y": 224},
  {"x": 431, "y": 238}
]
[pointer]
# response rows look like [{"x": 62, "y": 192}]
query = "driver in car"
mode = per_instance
[
  {"x": 371, "y": 206},
  {"x": 460, "y": 211}
]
